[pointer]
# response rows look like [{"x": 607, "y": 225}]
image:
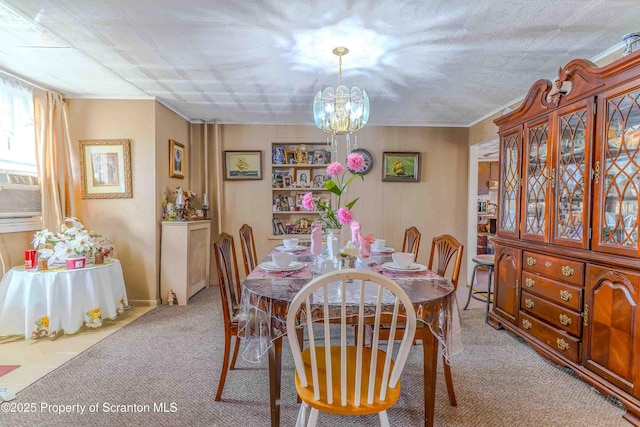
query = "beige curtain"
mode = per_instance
[{"x": 53, "y": 148}]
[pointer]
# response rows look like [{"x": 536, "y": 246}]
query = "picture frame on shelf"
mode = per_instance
[
  {"x": 177, "y": 159},
  {"x": 105, "y": 166},
  {"x": 290, "y": 157},
  {"x": 319, "y": 178},
  {"x": 291, "y": 203},
  {"x": 400, "y": 166},
  {"x": 320, "y": 157},
  {"x": 243, "y": 165},
  {"x": 287, "y": 181},
  {"x": 303, "y": 177},
  {"x": 278, "y": 228}
]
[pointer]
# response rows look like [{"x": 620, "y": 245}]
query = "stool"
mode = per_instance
[{"x": 484, "y": 296}]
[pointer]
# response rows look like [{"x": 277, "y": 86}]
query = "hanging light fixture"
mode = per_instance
[{"x": 341, "y": 111}]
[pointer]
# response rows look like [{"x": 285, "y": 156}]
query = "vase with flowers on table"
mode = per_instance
[{"x": 335, "y": 221}]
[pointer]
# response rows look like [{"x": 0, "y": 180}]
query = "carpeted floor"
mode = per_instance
[{"x": 172, "y": 355}]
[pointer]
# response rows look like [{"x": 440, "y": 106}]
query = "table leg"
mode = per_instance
[
  {"x": 430, "y": 348},
  {"x": 275, "y": 375}
]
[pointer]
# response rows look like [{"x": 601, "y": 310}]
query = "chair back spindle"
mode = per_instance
[
  {"x": 230, "y": 291},
  {"x": 248, "y": 248},
  {"x": 411, "y": 242},
  {"x": 446, "y": 247}
]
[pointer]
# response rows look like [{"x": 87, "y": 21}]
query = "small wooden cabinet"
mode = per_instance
[
  {"x": 184, "y": 259},
  {"x": 567, "y": 269}
]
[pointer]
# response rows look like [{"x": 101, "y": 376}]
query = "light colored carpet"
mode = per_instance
[{"x": 173, "y": 355}]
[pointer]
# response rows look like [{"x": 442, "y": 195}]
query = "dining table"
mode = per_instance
[{"x": 267, "y": 293}]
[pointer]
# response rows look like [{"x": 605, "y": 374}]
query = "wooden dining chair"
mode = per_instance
[
  {"x": 248, "y": 248},
  {"x": 411, "y": 242},
  {"x": 332, "y": 376},
  {"x": 230, "y": 290},
  {"x": 445, "y": 248}
]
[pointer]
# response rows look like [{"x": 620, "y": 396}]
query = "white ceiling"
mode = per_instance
[{"x": 423, "y": 63}]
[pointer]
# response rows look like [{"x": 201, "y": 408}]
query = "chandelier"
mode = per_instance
[{"x": 341, "y": 111}]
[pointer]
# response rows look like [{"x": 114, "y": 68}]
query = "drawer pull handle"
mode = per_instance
[
  {"x": 565, "y": 295},
  {"x": 567, "y": 271},
  {"x": 565, "y": 320},
  {"x": 531, "y": 261},
  {"x": 529, "y": 282},
  {"x": 562, "y": 344},
  {"x": 548, "y": 264},
  {"x": 526, "y": 324},
  {"x": 529, "y": 303}
]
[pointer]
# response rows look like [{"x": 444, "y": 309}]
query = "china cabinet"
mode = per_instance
[
  {"x": 296, "y": 168},
  {"x": 184, "y": 259},
  {"x": 567, "y": 270}
]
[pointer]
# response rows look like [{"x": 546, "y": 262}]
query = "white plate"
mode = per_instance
[
  {"x": 294, "y": 249},
  {"x": 271, "y": 266},
  {"x": 385, "y": 250},
  {"x": 413, "y": 267}
]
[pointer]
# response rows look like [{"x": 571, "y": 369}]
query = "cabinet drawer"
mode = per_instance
[
  {"x": 558, "y": 341},
  {"x": 560, "y": 293},
  {"x": 558, "y": 316},
  {"x": 554, "y": 267}
]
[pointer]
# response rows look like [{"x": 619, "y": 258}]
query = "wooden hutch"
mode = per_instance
[{"x": 567, "y": 256}]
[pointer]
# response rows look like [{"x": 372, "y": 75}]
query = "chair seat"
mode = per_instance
[
  {"x": 484, "y": 259},
  {"x": 306, "y": 393}
]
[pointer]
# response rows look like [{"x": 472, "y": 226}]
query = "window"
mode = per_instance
[{"x": 20, "y": 202}]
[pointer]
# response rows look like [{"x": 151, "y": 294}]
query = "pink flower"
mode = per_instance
[
  {"x": 307, "y": 202},
  {"x": 355, "y": 162},
  {"x": 334, "y": 169},
  {"x": 345, "y": 216}
]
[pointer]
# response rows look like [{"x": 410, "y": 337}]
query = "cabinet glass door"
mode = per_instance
[
  {"x": 570, "y": 187},
  {"x": 619, "y": 179},
  {"x": 535, "y": 174},
  {"x": 510, "y": 188}
]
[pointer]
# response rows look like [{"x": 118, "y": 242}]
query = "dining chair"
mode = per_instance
[
  {"x": 411, "y": 242},
  {"x": 230, "y": 292},
  {"x": 248, "y": 248},
  {"x": 445, "y": 248},
  {"x": 342, "y": 379}
]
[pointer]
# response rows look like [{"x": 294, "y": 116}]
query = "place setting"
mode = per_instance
[
  {"x": 283, "y": 265},
  {"x": 379, "y": 246},
  {"x": 291, "y": 245},
  {"x": 402, "y": 264}
]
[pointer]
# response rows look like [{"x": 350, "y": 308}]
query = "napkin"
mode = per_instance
[
  {"x": 365, "y": 245},
  {"x": 355, "y": 232},
  {"x": 316, "y": 239}
]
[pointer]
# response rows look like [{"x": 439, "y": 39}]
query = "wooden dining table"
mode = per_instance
[{"x": 266, "y": 296}]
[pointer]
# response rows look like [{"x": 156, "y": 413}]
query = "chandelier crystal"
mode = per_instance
[{"x": 341, "y": 111}]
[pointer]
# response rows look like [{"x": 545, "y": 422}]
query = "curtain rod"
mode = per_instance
[{"x": 22, "y": 80}]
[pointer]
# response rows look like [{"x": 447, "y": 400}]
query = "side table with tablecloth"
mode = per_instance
[{"x": 49, "y": 303}]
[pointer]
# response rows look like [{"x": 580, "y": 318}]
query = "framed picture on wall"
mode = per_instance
[
  {"x": 105, "y": 167},
  {"x": 177, "y": 159},
  {"x": 241, "y": 165},
  {"x": 400, "y": 166}
]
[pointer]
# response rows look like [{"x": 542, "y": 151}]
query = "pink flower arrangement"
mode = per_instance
[{"x": 337, "y": 184}]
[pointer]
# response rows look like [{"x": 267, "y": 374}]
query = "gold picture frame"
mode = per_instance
[
  {"x": 105, "y": 166},
  {"x": 177, "y": 159},
  {"x": 401, "y": 166},
  {"x": 243, "y": 164}
]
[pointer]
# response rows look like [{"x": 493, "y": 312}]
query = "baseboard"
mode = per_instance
[{"x": 144, "y": 302}]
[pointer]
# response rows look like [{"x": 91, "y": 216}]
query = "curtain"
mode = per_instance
[{"x": 53, "y": 153}]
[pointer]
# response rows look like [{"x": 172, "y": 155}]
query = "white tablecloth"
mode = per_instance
[{"x": 48, "y": 303}]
